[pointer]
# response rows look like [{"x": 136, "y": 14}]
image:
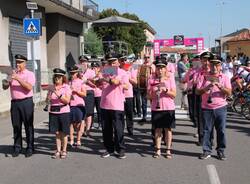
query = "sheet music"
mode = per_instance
[{"x": 109, "y": 70}]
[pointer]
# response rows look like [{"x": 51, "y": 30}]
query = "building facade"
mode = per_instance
[{"x": 62, "y": 23}]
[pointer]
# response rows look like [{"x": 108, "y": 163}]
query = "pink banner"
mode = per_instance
[{"x": 197, "y": 42}]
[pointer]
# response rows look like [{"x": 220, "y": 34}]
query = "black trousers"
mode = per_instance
[
  {"x": 191, "y": 106},
  {"x": 22, "y": 111},
  {"x": 198, "y": 117},
  {"x": 137, "y": 100},
  {"x": 129, "y": 114},
  {"x": 113, "y": 130},
  {"x": 98, "y": 110}
]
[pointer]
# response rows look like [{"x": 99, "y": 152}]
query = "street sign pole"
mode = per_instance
[{"x": 32, "y": 53}]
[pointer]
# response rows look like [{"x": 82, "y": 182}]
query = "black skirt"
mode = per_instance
[
  {"x": 89, "y": 103},
  {"x": 59, "y": 123},
  {"x": 77, "y": 114},
  {"x": 163, "y": 119}
]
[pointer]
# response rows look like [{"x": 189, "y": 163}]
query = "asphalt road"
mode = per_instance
[{"x": 84, "y": 165}]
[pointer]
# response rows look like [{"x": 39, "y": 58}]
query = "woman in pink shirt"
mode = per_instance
[
  {"x": 162, "y": 91},
  {"x": 59, "y": 112},
  {"x": 77, "y": 105},
  {"x": 97, "y": 92}
]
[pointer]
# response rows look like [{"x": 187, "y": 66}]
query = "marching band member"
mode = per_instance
[
  {"x": 59, "y": 112},
  {"x": 214, "y": 89},
  {"x": 97, "y": 91},
  {"x": 22, "y": 107},
  {"x": 130, "y": 79},
  {"x": 144, "y": 72},
  {"x": 77, "y": 105},
  {"x": 189, "y": 79},
  {"x": 89, "y": 99},
  {"x": 112, "y": 108},
  {"x": 162, "y": 91},
  {"x": 204, "y": 57}
]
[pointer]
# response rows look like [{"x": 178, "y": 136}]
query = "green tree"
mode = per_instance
[
  {"x": 92, "y": 44},
  {"x": 134, "y": 35}
]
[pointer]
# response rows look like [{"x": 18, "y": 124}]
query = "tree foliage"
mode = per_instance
[
  {"x": 134, "y": 34},
  {"x": 92, "y": 44}
]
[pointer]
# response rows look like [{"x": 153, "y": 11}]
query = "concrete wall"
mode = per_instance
[
  {"x": 56, "y": 50},
  {"x": 4, "y": 60}
]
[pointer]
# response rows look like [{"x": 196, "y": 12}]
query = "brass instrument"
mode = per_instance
[{"x": 143, "y": 76}]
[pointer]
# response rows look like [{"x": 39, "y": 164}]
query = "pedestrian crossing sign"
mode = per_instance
[{"x": 31, "y": 27}]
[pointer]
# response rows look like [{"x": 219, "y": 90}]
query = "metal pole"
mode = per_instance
[{"x": 32, "y": 53}]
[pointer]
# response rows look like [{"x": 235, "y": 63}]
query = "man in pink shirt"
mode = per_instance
[
  {"x": 204, "y": 57},
  {"x": 214, "y": 87},
  {"x": 112, "y": 109},
  {"x": 130, "y": 77},
  {"x": 22, "y": 107}
]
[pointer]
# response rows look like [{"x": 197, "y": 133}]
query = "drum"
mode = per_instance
[{"x": 143, "y": 76}]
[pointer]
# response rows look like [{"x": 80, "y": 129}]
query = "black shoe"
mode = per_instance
[
  {"x": 205, "y": 156},
  {"x": 221, "y": 156},
  {"x": 28, "y": 153},
  {"x": 106, "y": 154},
  {"x": 16, "y": 153},
  {"x": 121, "y": 155},
  {"x": 142, "y": 121}
]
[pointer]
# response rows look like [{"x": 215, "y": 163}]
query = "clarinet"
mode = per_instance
[{"x": 158, "y": 94}]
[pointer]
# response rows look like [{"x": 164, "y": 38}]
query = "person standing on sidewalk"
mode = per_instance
[
  {"x": 22, "y": 107},
  {"x": 112, "y": 109},
  {"x": 214, "y": 88}
]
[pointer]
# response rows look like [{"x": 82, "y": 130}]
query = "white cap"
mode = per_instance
[{"x": 236, "y": 63}]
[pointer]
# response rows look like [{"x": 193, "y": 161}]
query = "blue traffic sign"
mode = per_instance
[{"x": 31, "y": 27}]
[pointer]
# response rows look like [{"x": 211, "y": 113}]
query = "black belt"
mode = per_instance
[{"x": 19, "y": 100}]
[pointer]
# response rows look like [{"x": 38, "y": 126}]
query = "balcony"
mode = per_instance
[{"x": 81, "y": 10}]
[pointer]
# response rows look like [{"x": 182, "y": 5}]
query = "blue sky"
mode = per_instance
[{"x": 192, "y": 18}]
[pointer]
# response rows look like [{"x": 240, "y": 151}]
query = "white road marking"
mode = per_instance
[{"x": 213, "y": 175}]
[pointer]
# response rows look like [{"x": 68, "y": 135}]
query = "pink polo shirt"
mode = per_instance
[
  {"x": 98, "y": 89},
  {"x": 166, "y": 102},
  {"x": 171, "y": 67},
  {"x": 113, "y": 97},
  {"x": 129, "y": 75},
  {"x": 55, "y": 101},
  {"x": 218, "y": 97},
  {"x": 19, "y": 92},
  {"x": 199, "y": 73},
  {"x": 77, "y": 85},
  {"x": 89, "y": 74},
  {"x": 189, "y": 78}
]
